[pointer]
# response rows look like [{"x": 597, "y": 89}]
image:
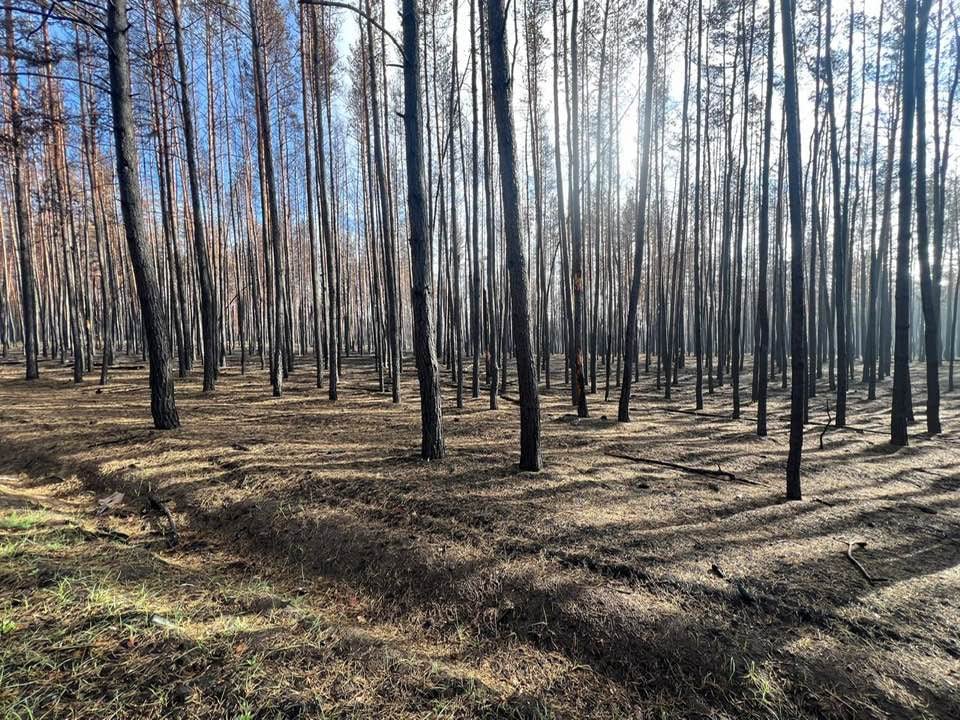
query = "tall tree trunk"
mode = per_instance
[
  {"x": 309, "y": 180},
  {"x": 28, "y": 281},
  {"x": 274, "y": 231},
  {"x": 567, "y": 302},
  {"x": 493, "y": 316},
  {"x": 928, "y": 298},
  {"x": 454, "y": 118},
  {"x": 839, "y": 235},
  {"x": 475, "y": 304},
  {"x": 763, "y": 322},
  {"x": 698, "y": 304},
  {"x": 530, "y": 457},
  {"x": 208, "y": 308},
  {"x": 798, "y": 350},
  {"x": 737, "y": 356},
  {"x": 386, "y": 221},
  {"x": 329, "y": 241},
  {"x": 630, "y": 336},
  {"x": 431, "y": 414},
  {"x": 162, "y": 402},
  {"x": 576, "y": 226},
  {"x": 870, "y": 349},
  {"x": 901, "y": 409}
]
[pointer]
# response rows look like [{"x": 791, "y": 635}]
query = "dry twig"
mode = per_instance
[
  {"x": 825, "y": 427},
  {"x": 863, "y": 571}
]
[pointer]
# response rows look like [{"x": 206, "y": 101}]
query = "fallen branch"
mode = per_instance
[
  {"x": 702, "y": 414},
  {"x": 718, "y": 473},
  {"x": 825, "y": 427},
  {"x": 931, "y": 472},
  {"x": 154, "y": 504},
  {"x": 115, "y": 535},
  {"x": 860, "y": 430},
  {"x": 863, "y": 571},
  {"x": 137, "y": 437}
]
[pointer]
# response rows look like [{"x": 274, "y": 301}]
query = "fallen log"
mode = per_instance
[{"x": 718, "y": 473}]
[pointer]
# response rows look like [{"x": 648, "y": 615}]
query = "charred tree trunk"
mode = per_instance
[
  {"x": 928, "y": 297},
  {"x": 28, "y": 281},
  {"x": 386, "y": 220},
  {"x": 530, "y": 458},
  {"x": 630, "y": 336},
  {"x": 798, "y": 349},
  {"x": 274, "y": 232},
  {"x": 901, "y": 410},
  {"x": 576, "y": 222},
  {"x": 763, "y": 323},
  {"x": 431, "y": 414},
  {"x": 162, "y": 402},
  {"x": 208, "y": 308}
]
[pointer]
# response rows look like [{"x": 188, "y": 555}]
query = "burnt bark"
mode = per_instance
[{"x": 162, "y": 401}]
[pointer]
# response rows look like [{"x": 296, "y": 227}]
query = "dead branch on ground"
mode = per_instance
[
  {"x": 171, "y": 533},
  {"x": 718, "y": 473},
  {"x": 826, "y": 427},
  {"x": 863, "y": 571}
]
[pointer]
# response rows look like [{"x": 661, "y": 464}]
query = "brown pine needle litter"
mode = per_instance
[{"x": 322, "y": 571}]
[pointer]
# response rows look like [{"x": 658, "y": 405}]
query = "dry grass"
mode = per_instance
[
  {"x": 325, "y": 572},
  {"x": 94, "y": 627}
]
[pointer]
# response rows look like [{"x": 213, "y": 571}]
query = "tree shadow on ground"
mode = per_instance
[{"x": 577, "y": 559}]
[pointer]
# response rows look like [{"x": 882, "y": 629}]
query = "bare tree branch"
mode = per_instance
[{"x": 362, "y": 13}]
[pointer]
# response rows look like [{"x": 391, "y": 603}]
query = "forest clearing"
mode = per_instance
[{"x": 323, "y": 570}]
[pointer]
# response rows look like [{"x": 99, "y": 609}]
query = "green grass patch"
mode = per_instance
[
  {"x": 7, "y": 626},
  {"x": 22, "y": 519}
]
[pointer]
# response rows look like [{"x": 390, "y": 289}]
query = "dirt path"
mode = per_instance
[{"x": 598, "y": 588}]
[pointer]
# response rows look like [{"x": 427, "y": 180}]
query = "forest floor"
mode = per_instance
[{"x": 322, "y": 570}]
